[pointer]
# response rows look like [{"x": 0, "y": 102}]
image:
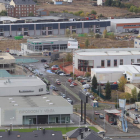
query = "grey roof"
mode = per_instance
[
  {"x": 35, "y": 135},
  {"x": 87, "y": 135},
  {"x": 24, "y": 2},
  {"x": 5, "y": 1},
  {"x": 33, "y": 101}
]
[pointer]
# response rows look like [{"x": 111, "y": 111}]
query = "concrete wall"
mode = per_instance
[{"x": 55, "y": 32}]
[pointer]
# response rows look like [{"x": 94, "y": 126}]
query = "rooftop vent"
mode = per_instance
[
  {"x": 0, "y": 136},
  {"x": 10, "y": 98},
  {"x": 18, "y": 136},
  {"x": 50, "y": 103},
  {"x": 15, "y": 104},
  {"x": 47, "y": 100},
  {"x": 44, "y": 97},
  {"x": 12, "y": 101},
  {"x": 53, "y": 134}
]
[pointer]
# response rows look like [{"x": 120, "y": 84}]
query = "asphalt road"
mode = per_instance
[{"x": 72, "y": 92}]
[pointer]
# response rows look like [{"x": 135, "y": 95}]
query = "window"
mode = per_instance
[
  {"x": 102, "y": 63},
  {"x": 73, "y": 27},
  {"x": 49, "y": 28},
  {"x": 121, "y": 61},
  {"x": 132, "y": 61},
  {"x": 43, "y": 28},
  {"x": 49, "y": 32},
  {"x": 108, "y": 63},
  {"x": 115, "y": 62},
  {"x": 19, "y": 29},
  {"x": 1, "y": 30},
  {"x": 138, "y": 60},
  {"x": 41, "y": 89}
]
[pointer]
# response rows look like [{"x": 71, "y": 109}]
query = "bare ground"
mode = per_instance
[{"x": 86, "y": 7}]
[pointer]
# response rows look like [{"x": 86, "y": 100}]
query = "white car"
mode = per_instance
[
  {"x": 62, "y": 74},
  {"x": 46, "y": 66},
  {"x": 31, "y": 65},
  {"x": 101, "y": 132},
  {"x": 41, "y": 74},
  {"x": 71, "y": 85},
  {"x": 86, "y": 86}
]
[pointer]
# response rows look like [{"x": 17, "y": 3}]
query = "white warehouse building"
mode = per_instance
[
  {"x": 130, "y": 72},
  {"x": 22, "y": 86},
  {"x": 85, "y": 59}
]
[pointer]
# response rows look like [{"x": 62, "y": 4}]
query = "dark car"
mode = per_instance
[
  {"x": 114, "y": 123},
  {"x": 54, "y": 88},
  {"x": 83, "y": 83},
  {"x": 101, "y": 116},
  {"x": 96, "y": 113},
  {"x": 59, "y": 72},
  {"x": 88, "y": 80},
  {"x": 135, "y": 122},
  {"x": 43, "y": 60},
  {"x": 67, "y": 75}
]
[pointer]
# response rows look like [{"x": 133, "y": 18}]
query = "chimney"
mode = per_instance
[
  {"x": 81, "y": 135},
  {"x": 43, "y": 131},
  {"x": 9, "y": 132}
]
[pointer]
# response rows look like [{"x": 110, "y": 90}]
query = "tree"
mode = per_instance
[
  {"x": 122, "y": 82},
  {"x": 97, "y": 36},
  {"x": 31, "y": 14},
  {"x": 104, "y": 33},
  {"x": 108, "y": 91},
  {"x": 94, "y": 82},
  {"x": 126, "y": 96},
  {"x": 93, "y": 12},
  {"x": 87, "y": 43},
  {"x": 139, "y": 96},
  {"x": 87, "y": 74},
  {"x": 3, "y": 13},
  {"x": 67, "y": 32},
  {"x": 82, "y": 15},
  {"x": 134, "y": 93},
  {"x": 74, "y": 35},
  {"x": 69, "y": 57}
]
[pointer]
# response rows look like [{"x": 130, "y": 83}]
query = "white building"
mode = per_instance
[
  {"x": 7, "y": 61},
  {"x": 22, "y": 86},
  {"x": 36, "y": 110},
  {"x": 136, "y": 43},
  {"x": 85, "y": 59},
  {"x": 124, "y": 25},
  {"x": 100, "y": 2},
  {"x": 131, "y": 73}
]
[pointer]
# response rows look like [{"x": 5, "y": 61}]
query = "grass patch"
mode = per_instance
[{"x": 64, "y": 130}]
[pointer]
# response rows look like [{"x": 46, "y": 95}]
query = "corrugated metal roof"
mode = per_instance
[{"x": 112, "y": 111}]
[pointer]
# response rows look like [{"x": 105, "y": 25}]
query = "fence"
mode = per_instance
[{"x": 99, "y": 94}]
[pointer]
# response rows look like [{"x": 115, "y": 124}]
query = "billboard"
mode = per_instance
[
  {"x": 122, "y": 103},
  {"x": 72, "y": 45}
]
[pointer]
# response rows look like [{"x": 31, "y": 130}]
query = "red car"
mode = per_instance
[
  {"x": 54, "y": 68},
  {"x": 70, "y": 80},
  {"x": 96, "y": 113},
  {"x": 75, "y": 84}
]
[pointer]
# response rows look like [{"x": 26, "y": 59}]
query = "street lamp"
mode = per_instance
[
  {"x": 79, "y": 120},
  {"x": 12, "y": 122},
  {"x": 29, "y": 123}
]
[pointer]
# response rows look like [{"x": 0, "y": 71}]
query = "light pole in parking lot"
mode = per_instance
[{"x": 12, "y": 122}]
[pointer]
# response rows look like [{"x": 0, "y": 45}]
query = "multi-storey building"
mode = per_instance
[{"x": 21, "y": 8}]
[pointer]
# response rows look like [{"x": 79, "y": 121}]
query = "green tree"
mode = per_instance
[
  {"x": 87, "y": 74},
  {"x": 68, "y": 57},
  {"x": 74, "y": 35},
  {"x": 3, "y": 13},
  {"x": 108, "y": 91},
  {"x": 136, "y": 10},
  {"x": 31, "y": 14},
  {"x": 94, "y": 82},
  {"x": 93, "y": 12},
  {"x": 108, "y": 2},
  {"x": 134, "y": 93},
  {"x": 67, "y": 32},
  {"x": 82, "y": 15},
  {"x": 131, "y": 9},
  {"x": 97, "y": 36},
  {"x": 122, "y": 82},
  {"x": 87, "y": 43},
  {"x": 139, "y": 96}
]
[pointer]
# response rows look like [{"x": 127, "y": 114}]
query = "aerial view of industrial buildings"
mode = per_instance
[{"x": 69, "y": 69}]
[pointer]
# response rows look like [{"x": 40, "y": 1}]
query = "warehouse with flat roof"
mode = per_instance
[
  {"x": 34, "y": 110},
  {"x": 22, "y": 86},
  {"x": 85, "y": 59}
]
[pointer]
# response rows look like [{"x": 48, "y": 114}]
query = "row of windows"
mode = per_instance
[
  {"x": 25, "y": 12},
  {"x": 130, "y": 25},
  {"x": 25, "y": 9},
  {"x": 24, "y": 5},
  {"x": 136, "y": 43}
]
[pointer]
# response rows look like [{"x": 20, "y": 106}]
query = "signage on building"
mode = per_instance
[
  {"x": 128, "y": 73},
  {"x": 122, "y": 103},
  {"x": 72, "y": 45},
  {"x": 137, "y": 75},
  {"x": 34, "y": 111}
]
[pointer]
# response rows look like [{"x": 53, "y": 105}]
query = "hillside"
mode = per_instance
[{"x": 86, "y": 7}]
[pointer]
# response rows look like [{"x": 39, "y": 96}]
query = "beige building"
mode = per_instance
[
  {"x": 2, "y": 7},
  {"x": 128, "y": 88}
]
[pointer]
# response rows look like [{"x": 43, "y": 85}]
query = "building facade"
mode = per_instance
[
  {"x": 53, "y": 28},
  {"x": 46, "y": 44},
  {"x": 34, "y": 110},
  {"x": 105, "y": 58},
  {"x": 136, "y": 43},
  {"x": 21, "y": 8}
]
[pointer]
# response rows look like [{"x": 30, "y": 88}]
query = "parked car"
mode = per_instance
[
  {"x": 75, "y": 84},
  {"x": 67, "y": 75},
  {"x": 83, "y": 83},
  {"x": 61, "y": 93},
  {"x": 54, "y": 68},
  {"x": 64, "y": 95},
  {"x": 101, "y": 132},
  {"x": 70, "y": 101},
  {"x": 70, "y": 79},
  {"x": 114, "y": 123},
  {"x": 101, "y": 116},
  {"x": 135, "y": 122},
  {"x": 87, "y": 86},
  {"x": 59, "y": 72},
  {"x": 46, "y": 66},
  {"x": 41, "y": 74},
  {"x": 71, "y": 85},
  {"x": 47, "y": 92},
  {"x": 88, "y": 80},
  {"x": 43, "y": 60},
  {"x": 62, "y": 74},
  {"x": 88, "y": 93},
  {"x": 58, "y": 83},
  {"x": 91, "y": 97},
  {"x": 56, "y": 80},
  {"x": 96, "y": 113},
  {"x": 54, "y": 88}
]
